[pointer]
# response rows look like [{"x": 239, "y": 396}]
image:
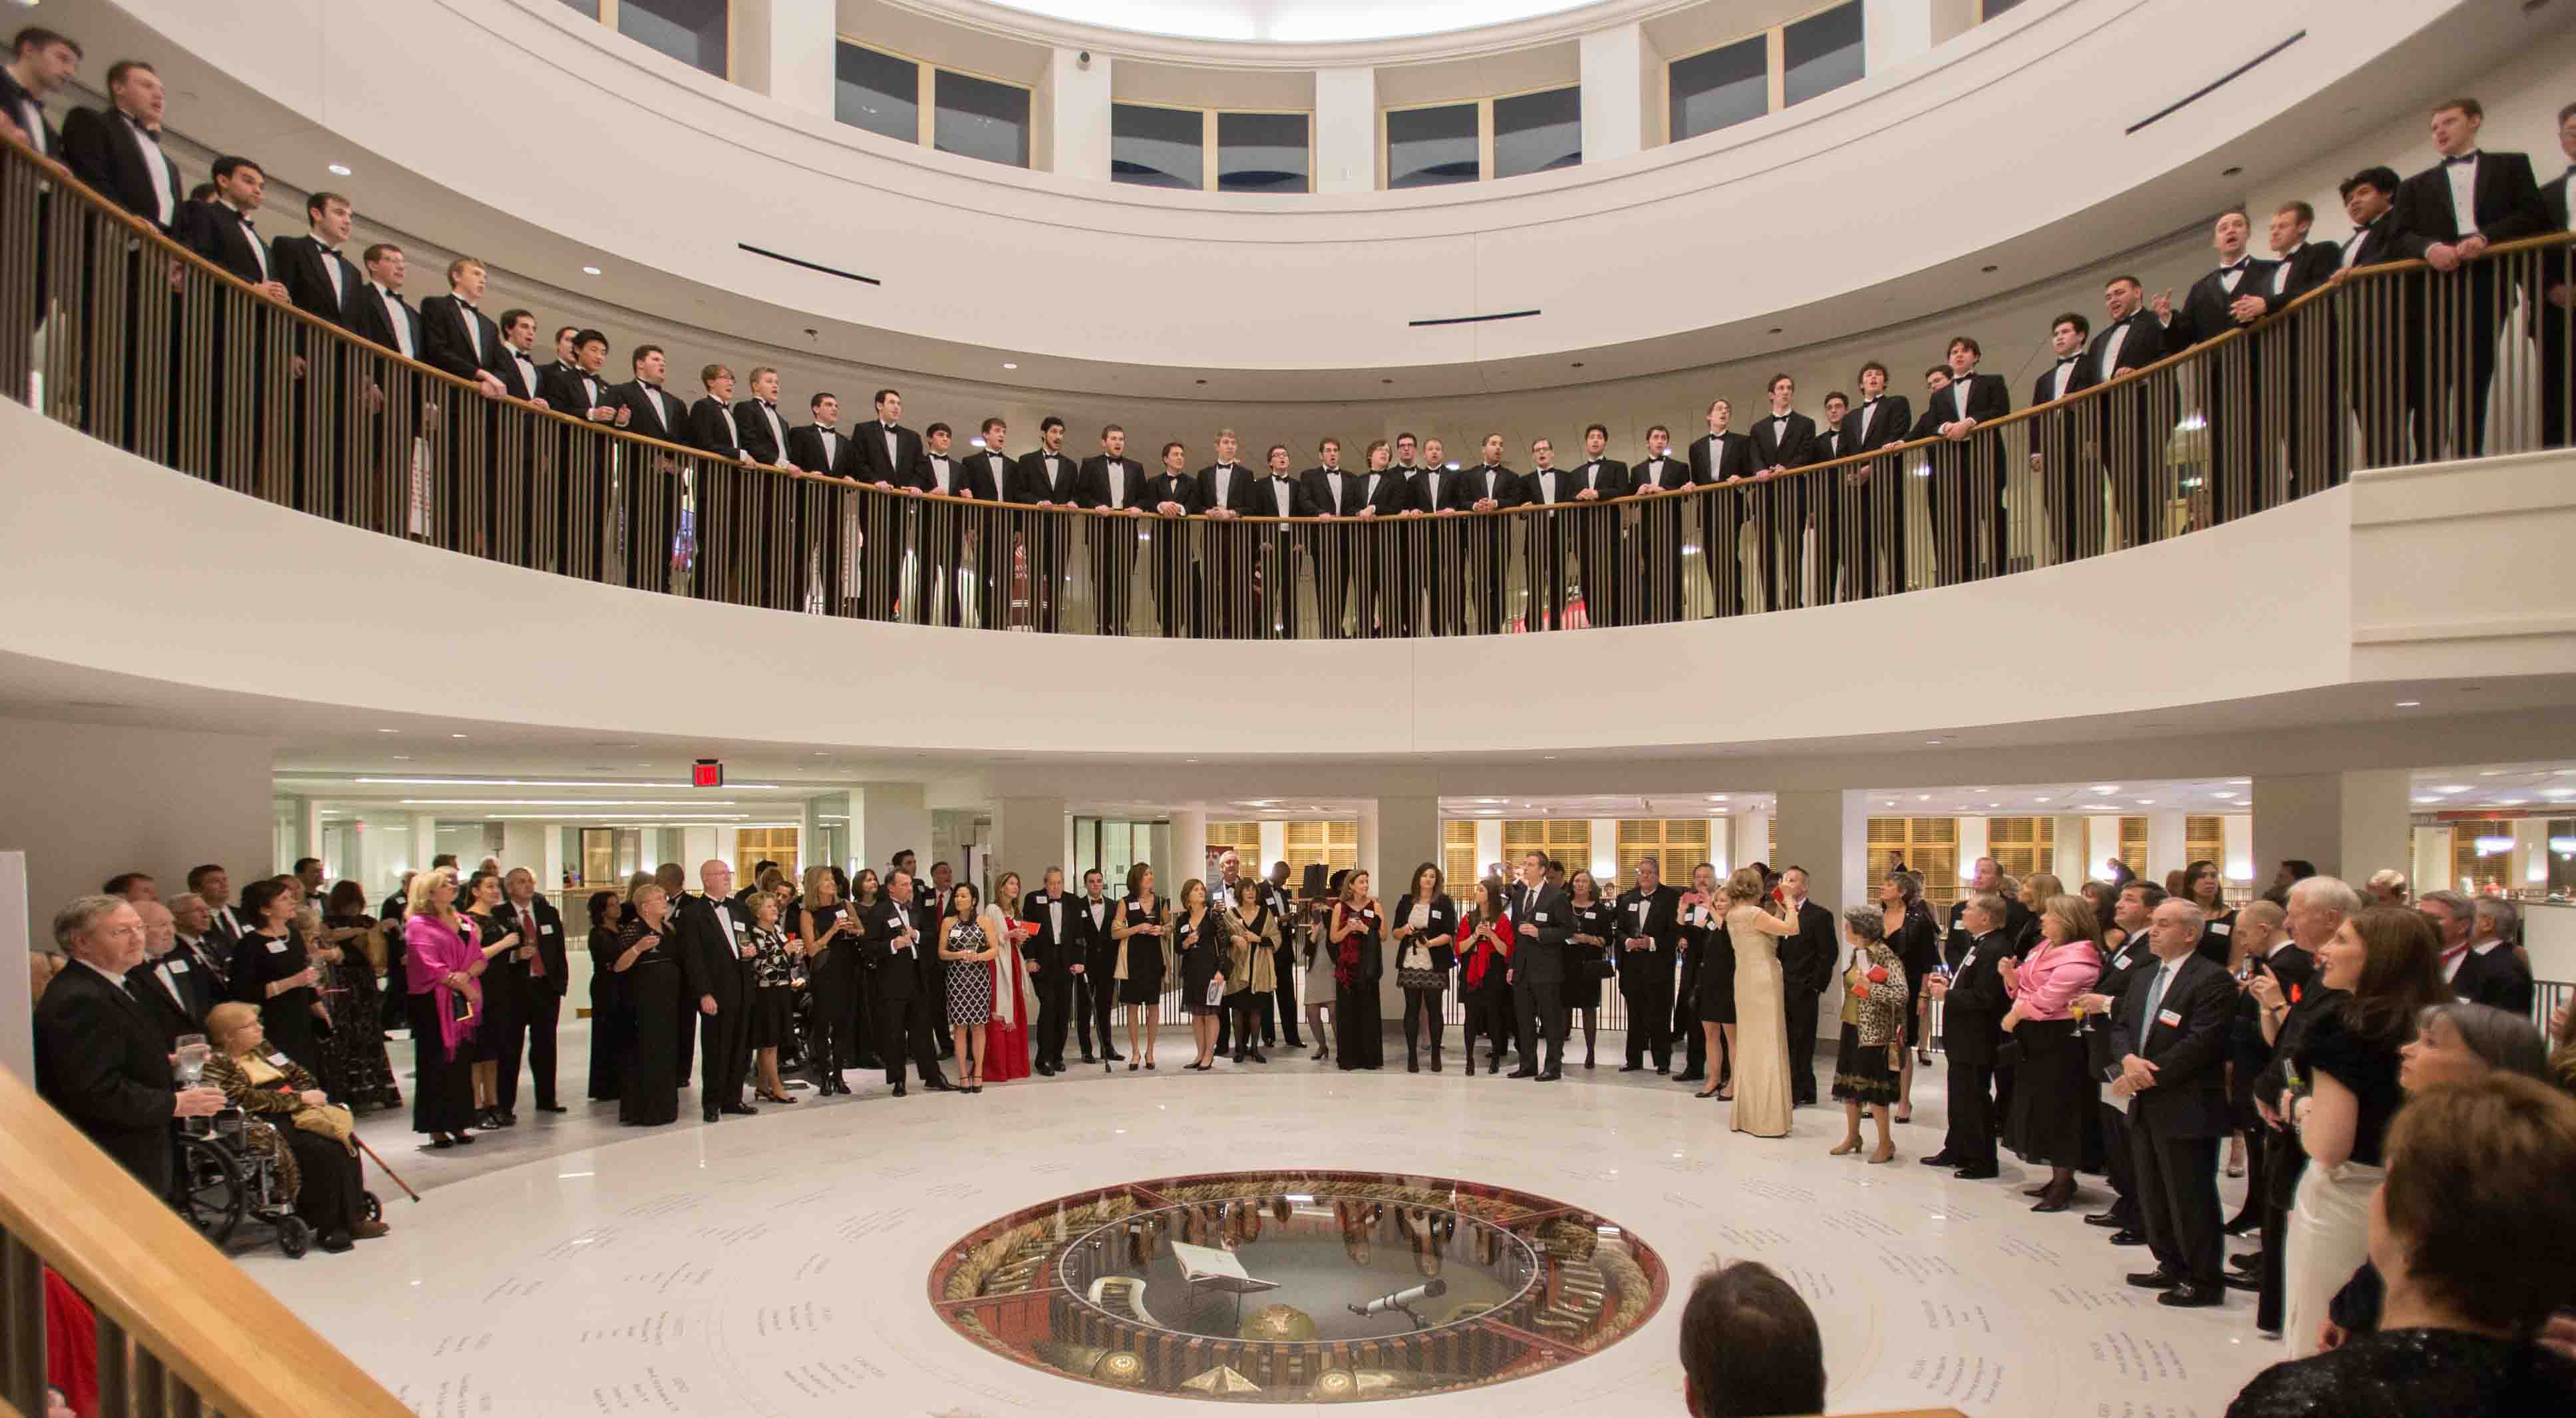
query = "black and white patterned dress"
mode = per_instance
[{"x": 970, "y": 982}]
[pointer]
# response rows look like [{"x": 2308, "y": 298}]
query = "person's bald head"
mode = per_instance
[
  {"x": 159, "y": 932},
  {"x": 716, "y": 876},
  {"x": 2259, "y": 923}
]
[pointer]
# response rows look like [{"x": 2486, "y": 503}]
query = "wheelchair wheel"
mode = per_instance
[
  {"x": 375, "y": 1207},
  {"x": 210, "y": 1188},
  {"x": 294, "y": 1237}
]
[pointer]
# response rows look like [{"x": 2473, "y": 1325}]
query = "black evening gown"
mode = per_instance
[
  {"x": 365, "y": 1073},
  {"x": 1360, "y": 1042},
  {"x": 2051, "y": 1095},
  {"x": 612, "y": 1020},
  {"x": 1144, "y": 982},
  {"x": 288, "y": 1016},
  {"x": 2415, "y": 1373},
  {"x": 442, "y": 1088},
  {"x": 505, "y": 1013},
  {"x": 650, "y": 1094}
]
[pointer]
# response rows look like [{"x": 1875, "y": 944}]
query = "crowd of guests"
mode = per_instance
[{"x": 2447, "y": 215}]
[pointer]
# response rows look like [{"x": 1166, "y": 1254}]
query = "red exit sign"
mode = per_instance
[{"x": 707, "y": 773}]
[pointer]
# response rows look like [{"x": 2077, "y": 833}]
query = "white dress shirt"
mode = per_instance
[
  {"x": 155, "y": 166},
  {"x": 2281, "y": 274},
  {"x": 2463, "y": 177},
  {"x": 399, "y": 316},
  {"x": 2109, "y": 364}
]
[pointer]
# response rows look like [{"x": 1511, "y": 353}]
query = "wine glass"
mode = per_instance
[{"x": 192, "y": 1054}]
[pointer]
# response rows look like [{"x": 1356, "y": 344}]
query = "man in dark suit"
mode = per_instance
[
  {"x": 542, "y": 972},
  {"x": 379, "y": 313},
  {"x": 1601, "y": 478},
  {"x": 2299, "y": 265},
  {"x": 522, "y": 378},
  {"x": 2555, "y": 311},
  {"x": 2170, "y": 1036},
  {"x": 1548, "y": 486},
  {"x": 820, "y": 447},
  {"x": 651, "y": 477},
  {"x": 100, "y": 1058},
  {"x": 1046, "y": 476},
  {"x": 889, "y": 454},
  {"x": 1719, "y": 458},
  {"x": 1542, "y": 918},
  {"x": 1880, "y": 419},
  {"x": 192, "y": 925},
  {"x": 715, "y": 970},
  {"x": 1093, "y": 958},
  {"x": 2450, "y": 214},
  {"x": 762, "y": 427},
  {"x": 2229, "y": 379},
  {"x": 2132, "y": 436},
  {"x": 722, "y": 542},
  {"x": 168, "y": 982},
  {"x": 945, "y": 536},
  {"x": 117, "y": 149},
  {"x": 1973, "y": 1004},
  {"x": 1227, "y": 490},
  {"x": 1651, "y": 531},
  {"x": 1051, "y": 956},
  {"x": 1172, "y": 495},
  {"x": 221, "y": 232},
  {"x": 457, "y": 337},
  {"x": 2390, "y": 408},
  {"x": 322, "y": 282},
  {"x": 40, "y": 63},
  {"x": 1277, "y": 495},
  {"x": 1487, "y": 486},
  {"x": 2133, "y": 911},
  {"x": 1784, "y": 440},
  {"x": 1111, "y": 481},
  {"x": 899, "y": 931},
  {"x": 1806, "y": 965},
  {"x": 2057, "y": 443},
  {"x": 1648, "y": 930},
  {"x": 1968, "y": 478},
  {"x": 2491, "y": 973}
]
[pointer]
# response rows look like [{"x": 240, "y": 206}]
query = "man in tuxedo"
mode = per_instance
[
  {"x": 900, "y": 929},
  {"x": 1969, "y": 478},
  {"x": 2450, "y": 214},
  {"x": 1046, "y": 476},
  {"x": 1093, "y": 958},
  {"x": 1806, "y": 965},
  {"x": 542, "y": 971},
  {"x": 2170, "y": 1036},
  {"x": 1226, "y": 492},
  {"x": 1652, "y": 547},
  {"x": 1172, "y": 495},
  {"x": 1542, "y": 918},
  {"x": 521, "y": 376},
  {"x": 715, "y": 970},
  {"x": 1277, "y": 495},
  {"x": 2478, "y": 965},
  {"x": 2057, "y": 442},
  {"x": 889, "y": 454},
  {"x": 2132, "y": 434},
  {"x": 713, "y": 426},
  {"x": 1877, "y": 487},
  {"x": 214, "y": 886},
  {"x": 380, "y": 314},
  {"x": 192, "y": 925},
  {"x": 1549, "y": 486},
  {"x": 1279, "y": 1008},
  {"x": 579, "y": 390},
  {"x": 40, "y": 63},
  {"x": 457, "y": 337},
  {"x": 116, "y": 150},
  {"x": 1050, "y": 958},
  {"x": 1112, "y": 481},
  {"x": 1973, "y": 1004},
  {"x": 1784, "y": 440},
  {"x": 1334, "y": 492},
  {"x": 1723, "y": 457},
  {"x": 650, "y": 477},
  {"x": 2133, "y": 911},
  {"x": 221, "y": 232},
  {"x": 2555, "y": 311},
  {"x": 100, "y": 1059},
  {"x": 323, "y": 283},
  {"x": 1489, "y": 486},
  {"x": 762, "y": 429},
  {"x": 1649, "y": 926},
  {"x": 2299, "y": 265},
  {"x": 2230, "y": 379},
  {"x": 820, "y": 447},
  {"x": 167, "y": 982}
]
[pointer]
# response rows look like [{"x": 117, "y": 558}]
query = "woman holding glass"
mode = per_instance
[
  {"x": 968, "y": 954},
  {"x": 649, "y": 1096},
  {"x": 1136, "y": 924},
  {"x": 831, "y": 934}
]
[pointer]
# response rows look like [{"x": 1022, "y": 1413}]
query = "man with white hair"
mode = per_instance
[
  {"x": 166, "y": 982},
  {"x": 2491, "y": 972},
  {"x": 2317, "y": 907},
  {"x": 100, "y": 1060},
  {"x": 192, "y": 927},
  {"x": 2170, "y": 1036}
]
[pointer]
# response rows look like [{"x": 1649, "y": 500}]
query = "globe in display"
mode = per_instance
[{"x": 1279, "y": 1322}]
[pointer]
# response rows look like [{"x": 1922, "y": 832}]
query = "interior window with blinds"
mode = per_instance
[
  {"x": 1676, "y": 844},
  {"x": 1929, "y": 846}
]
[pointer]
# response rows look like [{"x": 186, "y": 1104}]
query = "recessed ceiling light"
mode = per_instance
[
  {"x": 388, "y": 731},
  {"x": 2428, "y": 800},
  {"x": 402, "y": 758},
  {"x": 2410, "y": 703},
  {"x": 2452, "y": 788},
  {"x": 590, "y": 270},
  {"x": 2222, "y": 795},
  {"x": 1006, "y": 364},
  {"x": 456, "y": 736},
  {"x": 1936, "y": 740},
  {"x": 1717, "y": 797},
  {"x": 2490, "y": 772},
  {"x": 1994, "y": 804},
  {"x": 339, "y": 169},
  {"x": 2144, "y": 802},
  {"x": 1976, "y": 790},
  {"x": 2106, "y": 787},
  {"x": 1923, "y": 797},
  {"x": 2043, "y": 800}
]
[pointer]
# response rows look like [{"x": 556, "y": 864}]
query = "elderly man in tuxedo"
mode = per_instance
[
  {"x": 100, "y": 1059},
  {"x": 2169, "y": 1033}
]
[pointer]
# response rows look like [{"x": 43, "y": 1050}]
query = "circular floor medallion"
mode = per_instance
[{"x": 1298, "y": 1286}]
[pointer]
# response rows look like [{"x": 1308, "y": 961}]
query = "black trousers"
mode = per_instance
[
  {"x": 2121, "y": 1165},
  {"x": 1646, "y": 984},
  {"x": 1095, "y": 1003},
  {"x": 540, "y": 1011},
  {"x": 829, "y": 1045},
  {"x": 508, "y": 1045},
  {"x": 1802, "y": 1004},
  {"x": 1286, "y": 962},
  {"x": 1422, "y": 1021},
  {"x": 2285, "y": 1162},
  {"x": 904, "y": 1029},
  {"x": 1488, "y": 1014},
  {"x": 2557, "y": 389},
  {"x": 1055, "y": 1014},
  {"x": 2178, "y": 1198},
  {"x": 1971, "y": 1139},
  {"x": 724, "y": 1045},
  {"x": 1538, "y": 1006}
]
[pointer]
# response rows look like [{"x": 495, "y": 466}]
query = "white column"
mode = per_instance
[
  {"x": 1605, "y": 854},
  {"x": 2530, "y": 853},
  {"x": 2237, "y": 856},
  {"x": 2103, "y": 840},
  {"x": 1398, "y": 834},
  {"x": 786, "y": 49},
  {"x": 1721, "y": 845},
  {"x": 424, "y": 842},
  {"x": 1346, "y": 130},
  {"x": 2432, "y": 867},
  {"x": 1189, "y": 847},
  {"x": 1972, "y": 845},
  {"x": 2349, "y": 824},
  {"x": 2072, "y": 837},
  {"x": 1614, "y": 113},
  {"x": 886, "y": 818},
  {"x": 1892, "y": 32},
  {"x": 1489, "y": 843},
  {"x": 1078, "y": 115},
  {"x": 2165, "y": 844},
  {"x": 1028, "y": 837},
  {"x": 522, "y": 845},
  {"x": 1827, "y": 832},
  {"x": 1274, "y": 845},
  {"x": 308, "y": 824},
  {"x": 1752, "y": 839}
]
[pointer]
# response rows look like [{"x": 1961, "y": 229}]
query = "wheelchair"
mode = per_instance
[{"x": 220, "y": 1179}]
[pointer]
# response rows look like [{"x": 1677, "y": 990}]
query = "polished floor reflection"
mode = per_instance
[{"x": 780, "y": 1265}]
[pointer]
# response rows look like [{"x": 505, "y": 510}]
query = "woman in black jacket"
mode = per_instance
[
  {"x": 612, "y": 1023},
  {"x": 1426, "y": 945}
]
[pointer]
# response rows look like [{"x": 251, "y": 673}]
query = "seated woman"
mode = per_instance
[{"x": 318, "y": 1167}]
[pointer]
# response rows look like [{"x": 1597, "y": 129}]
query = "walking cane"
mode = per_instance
[{"x": 381, "y": 1167}]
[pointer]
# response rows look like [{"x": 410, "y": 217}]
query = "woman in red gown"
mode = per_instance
[{"x": 1006, "y": 1039}]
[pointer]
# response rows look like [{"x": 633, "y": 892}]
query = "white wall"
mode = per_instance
[{"x": 86, "y": 801}]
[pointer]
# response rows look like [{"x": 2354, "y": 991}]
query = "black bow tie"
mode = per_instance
[
  {"x": 2458, "y": 158},
  {"x": 2065, "y": 360},
  {"x": 464, "y": 304},
  {"x": 2237, "y": 265},
  {"x": 770, "y": 404}
]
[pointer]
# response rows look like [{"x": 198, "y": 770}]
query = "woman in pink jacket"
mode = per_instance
[{"x": 2050, "y": 1089}]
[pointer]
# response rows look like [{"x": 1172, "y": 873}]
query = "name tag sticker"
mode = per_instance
[
  {"x": 1541, "y": 918},
  {"x": 550, "y": 930},
  {"x": 2171, "y": 1019},
  {"x": 278, "y": 1059},
  {"x": 2222, "y": 928},
  {"x": 178, "y": 967},
  {"x": 277, "y": 947}
]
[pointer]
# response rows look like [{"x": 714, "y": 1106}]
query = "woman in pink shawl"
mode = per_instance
[
  {"x": 1006, "y": 1038},
  {"x": 441, "y": 964}
]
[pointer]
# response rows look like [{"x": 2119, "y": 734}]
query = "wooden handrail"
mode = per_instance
[
  {"x": 145, "y": 231},
  {"x": 146, "y": 1269}
]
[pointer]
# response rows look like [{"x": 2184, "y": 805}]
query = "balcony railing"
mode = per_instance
[{"x": 109, "y": 327}]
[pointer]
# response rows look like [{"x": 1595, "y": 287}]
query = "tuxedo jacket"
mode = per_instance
[
  {"x": 2496, "y": 978},
  {"x": 2307, "y": 268},
  {"x": 1568, "y": 482},
  {"x": 670, "y": 423},
  {"x": 2507, "y": 201},
  {"x": 1050, "y": 950},
  {"x": 1541, "y": 921},
  {"x": 1608, "y": 475},
  {"x": 565, "y": 392},
  {"x": 99, "y": 148},
  {"x": 2043, "y": 387},
  {"x": 1030, "y": 484},
  {"x": 1779, "y": 445},
  {"x": 2142, "y": 346},
  {"x": 541, "y": 926},
  {"x": 1832, "y": 443},
  {"x": 1868, "y": 429},
  {"x": 1428, "y": 489},
  {"x": 1656, "y": 915},
  {"x": 2378, "y": 243},
  {"x": 1972, "y": 1013},
  {"x": 1384, "y": 490},
  {"x": 2553, "y": 264},
  {"x": 1499, "y": 482},
  {"x": 763, "y": 428},
  {"x": 1093, "y": 489},
  {"x": 1670, "y": 470},
  {"x": 1237, "y": 495},
  {"x": 101, "y": 1061},
  {"x": 1091, "y": 945},
  {"x": 13, "y": 102},
  {"x": 875, "y": 464},
  {"x": 805, "y": 450},
  {"x": 521, "y": 374},
  {"x": 304, "y": 265},
  {"x": 1265, "y": 498},
  {"x": 2205, "y": 310},
  {"x": 1982, "y": 397},
  {"x": 969, "y": 474},
  {"x": 709, "y": 429},
  {"x": 711, "y": 963},
  {"x": 1715, "y": 457},
  {"x": 368, "y": 320},
  {"x": 1172, "y": 487},
  {"x": 2186, "y": 1039},
  {"x": 1807, "y": 958},
  {"x": 175, "y": 993},
  {"x": 888, "y": 971},
  {"x": 443, "y": 322},
  {"x": 1331, "y": 492},
  {"x": 218, "y": 233}
]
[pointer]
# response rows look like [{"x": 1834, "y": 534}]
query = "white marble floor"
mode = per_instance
[{"x": 779, "y": 1265}]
